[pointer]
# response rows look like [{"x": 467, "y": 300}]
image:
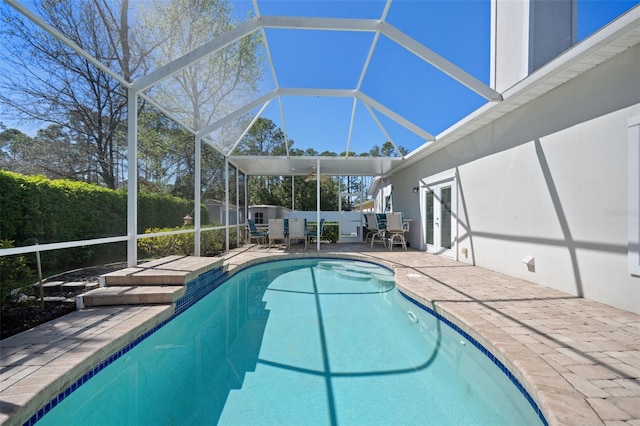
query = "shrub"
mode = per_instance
[
  {"x": 211, "y": 243},
  {"x": 330, "y": 233},
  {"x": 14, "y": 272}
]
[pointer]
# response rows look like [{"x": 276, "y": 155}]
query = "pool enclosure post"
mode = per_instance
[
  {"x": 226, "y": 202},
  {"x": 293, "y": 193},
  {"x": 245, "y": 185},
  {"x": 197, "y": 195},
  {"x": 132, "y": 184},
  {"x": 318, "y": 203},
  {"x": 237, "y": 207}
]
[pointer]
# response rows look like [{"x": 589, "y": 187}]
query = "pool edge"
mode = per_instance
[{"x": 76, "y": 374}]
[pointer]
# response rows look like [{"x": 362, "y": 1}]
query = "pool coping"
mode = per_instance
[
  {"x": 39, "y": 364},
  {"x": 540, "y": 381}
]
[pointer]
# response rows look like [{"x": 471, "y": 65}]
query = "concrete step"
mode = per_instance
[
  {"x": 170, "y": 270},
  {"x": 132, "y": 295},
  {"x": 54, "y": 300},
  {"x": 90, "y": 285},
  {"x": 73, "y": 286},
  {"x": 52, "y": 287}
]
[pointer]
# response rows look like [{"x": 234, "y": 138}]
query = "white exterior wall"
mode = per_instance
[
  {"x": 526, "y": 35},
  {"x": 513, "y": 18},
  {"x": 386, "y": 189},
  {"x": 548, "y": 180}
]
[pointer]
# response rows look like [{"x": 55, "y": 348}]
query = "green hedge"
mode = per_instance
[
  {"x": 330, "y": 233},
  {"x": 211, "y": 243},
  {"x": 36, "y": 208}
]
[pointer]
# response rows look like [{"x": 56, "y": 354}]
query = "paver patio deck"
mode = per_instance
[{"x": 579, "y": 359}]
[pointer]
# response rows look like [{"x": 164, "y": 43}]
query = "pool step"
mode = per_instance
[
  {"x": 132, "y": 295},
  {"x": 170, "y": 270},
  {"x": 161, "y": 281}
]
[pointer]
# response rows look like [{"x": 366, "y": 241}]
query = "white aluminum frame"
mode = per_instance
[{"x": 633, "y": 213}]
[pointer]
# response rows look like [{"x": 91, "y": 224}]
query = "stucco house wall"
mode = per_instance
[{"x": 548, "y": 180}]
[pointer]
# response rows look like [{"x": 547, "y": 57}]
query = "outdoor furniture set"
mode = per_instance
[
  {"x": 388, "y": 228},
  {"x": 286, "y": 230}
]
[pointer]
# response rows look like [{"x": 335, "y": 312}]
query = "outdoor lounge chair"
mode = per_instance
[
  {"x": 276, "y": 230},
  {"x": 396, "y": 229},
  {"x": 375, "y": 229},
  {"x": 316, "y": 233},
  {"x": 297, "y": 231},
  {"x": 260, "y": 236}
]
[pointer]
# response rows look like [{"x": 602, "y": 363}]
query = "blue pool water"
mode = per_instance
[{"x": 301, "y": 342}]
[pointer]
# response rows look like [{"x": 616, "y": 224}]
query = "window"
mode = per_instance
[{"x": 258, "y": 217}]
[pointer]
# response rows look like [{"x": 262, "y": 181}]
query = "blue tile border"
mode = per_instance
[
  {"x": 485, "y": 351},
  {"x": 196, "y": 290}
]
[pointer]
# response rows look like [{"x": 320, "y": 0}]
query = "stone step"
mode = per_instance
[
  {"x": 132, "y": 295},
  {"x": 90, "y": 285},
  {"x": 54, "y": 300},
  {"x": 73, "y": 286},
  {"x": 170, "y": 270},
  {"x": 52, "y": 287}
]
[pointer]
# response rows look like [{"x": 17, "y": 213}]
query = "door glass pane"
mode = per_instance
[
  {"x": 429, "y": 220},
  {"x": 445, "y": 217}
]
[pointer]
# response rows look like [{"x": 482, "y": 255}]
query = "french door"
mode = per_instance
[{"x": 439, "y": 215}]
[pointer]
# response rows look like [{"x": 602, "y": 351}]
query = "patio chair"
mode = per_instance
[
  {"x": 276, "y": 230},
  {"x": 369, "y": 228},
  {"x": 316, "y": 233},
  {"x": 375, "y": 229},
  {"x": 297, "y": 231},
  {"x": 396, "y": 230},
  {"x": 260, "y": 236}
]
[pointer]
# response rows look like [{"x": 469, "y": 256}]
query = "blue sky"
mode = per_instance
[
  {"x": 395, "y": 77},
  {"x": 458, "y": 30}
]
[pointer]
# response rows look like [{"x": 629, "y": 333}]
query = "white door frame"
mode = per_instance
[{"x": 435, "y": 183}]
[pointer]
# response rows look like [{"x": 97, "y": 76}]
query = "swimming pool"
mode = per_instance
[{"x": 307, "y": 341}]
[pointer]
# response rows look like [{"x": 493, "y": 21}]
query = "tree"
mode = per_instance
[
  {"x": 52, "y": 153},
  {"x": 264, "y": 139},
  {"x": 44, "y": 81},
  {"x": 216, "y": 85},
  {"x": 57, "y": 155},
  {"x": 166, "y": 159},
  {"x": 387, "y": 150},
  {"x": 212, "y": 174},
  {"x": 306, "y": 194},
  {"x": 14, "y": 147},
  {"x": 161, "y": 143}
]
